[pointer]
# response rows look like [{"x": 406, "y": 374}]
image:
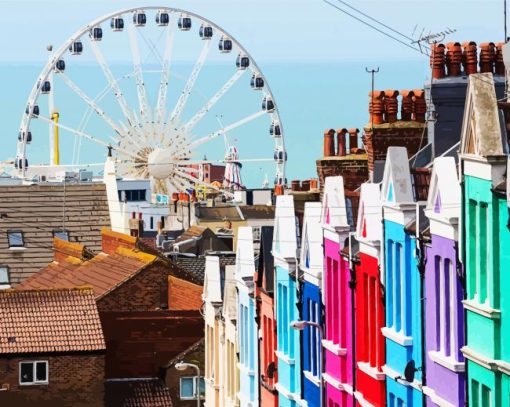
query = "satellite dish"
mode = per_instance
[
  {"x": 270, "y": 370},
  {"x": 409, "y": 371}
]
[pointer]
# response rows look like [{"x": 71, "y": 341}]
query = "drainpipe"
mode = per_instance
[{"x": 352, "y": 286}]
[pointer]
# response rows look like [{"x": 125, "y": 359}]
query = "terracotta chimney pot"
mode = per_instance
[
  {"x": 406, "y": 111},
  {"x": 353, "y": 140},
  {"x": 391, "y": 105},
  {"x": 376, "y": 106},
  {"x": 499, "y": 68},
  {"x": 278, "y": 189},
  {"x": 295, "y": 185},
  {"x": 487, "y": 57},
  {"x": 454, "y": 58},
  {"x": 470, "y": 57},
  {"x": 314, "y": 184},
  {"x": 340, "y": 142},
  {"x": 437, "y": 61},
  {"x": 329, "y": 143},
  {"x": 419, "y": 105},
  {"x": 305, "y": 185}
]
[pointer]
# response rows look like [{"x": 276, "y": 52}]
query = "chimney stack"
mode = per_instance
[
  {"x": 454, "y": 58},
  {"x": 470, "y": 57},
  {"x": 437, "y": 61},
  {"x": 390, "y": 105},
  {"x": 406, "y": 112},
  {"x": 487, "y": 57},
  {"x": 419, "y": 106},
  {"x": 353, "y": 140},
  {"x": 329, "y": 143},
  {"x": 376, "y": 107},
  {"x": 340, "y": 140}
]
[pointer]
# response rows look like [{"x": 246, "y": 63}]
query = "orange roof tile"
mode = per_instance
[{"x": 57, "y": 320}]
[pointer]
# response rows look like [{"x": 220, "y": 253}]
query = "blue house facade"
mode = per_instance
[
  {"x": 247, "y": 329},
  {"x": 311, "y": 265},
  {"x": 402, "y": 282},
  {"x": 288, "y": 350}
]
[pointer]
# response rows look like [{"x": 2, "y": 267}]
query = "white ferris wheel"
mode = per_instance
[{"x": 165, "y": 136}]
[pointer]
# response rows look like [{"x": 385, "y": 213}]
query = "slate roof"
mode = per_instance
[
  {"x": 150, "y": 392},
  {"x": 196, "y": 265},
  {"x": 55, "y": 321}
]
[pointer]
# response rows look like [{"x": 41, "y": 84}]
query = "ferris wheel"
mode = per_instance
[{"x": 160, "y": 136}]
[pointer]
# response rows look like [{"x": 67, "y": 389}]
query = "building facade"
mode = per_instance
[
  {"x": 370, "y": 310},
  {"x": 444, "y": 313},
  {"x": 337, "y": 298}
]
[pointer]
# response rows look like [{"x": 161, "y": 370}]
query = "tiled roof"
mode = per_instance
[
  {"x": 218, "y": 213},
  {"x": 37, "y": 321},
  {"x": 258, "y": 211},
  {"x": 196, "y": 265},
  {"x": 151, "y": 392},
  {"x": 102, "y": 273},
  {"x": 193, "y": 231}
]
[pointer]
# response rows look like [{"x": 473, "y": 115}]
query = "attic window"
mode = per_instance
[
  {"x": 15, "y": 239},
  {"x": 61, "y": 234}
]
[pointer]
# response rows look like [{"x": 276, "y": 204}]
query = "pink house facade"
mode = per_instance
[{"x": 337, "y": 298}]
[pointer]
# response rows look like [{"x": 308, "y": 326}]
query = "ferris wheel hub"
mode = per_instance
[{"x": 161, "y": 163}]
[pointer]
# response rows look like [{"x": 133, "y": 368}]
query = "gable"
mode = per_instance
[
  {"x": 311, "y": 247},
  {"x": 481, "y": 128},
  {"x": 284, "y": 240},
  {"x": 333, "y": 203},
  {"x": 370, "y": 212},
  {"x": 444, "y": 198},
  {"x": 396, "y": 186}
]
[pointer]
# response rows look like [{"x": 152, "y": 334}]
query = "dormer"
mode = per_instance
[
  {"x": 444, "y": 200},
  {"x": 245, "y": 257},
  {"x": 369, "y": 225},
  {"x": 483, "y": 144},
  {"x": 334, "y": 214},
  {"x": 312, "y": 254},
  {"x": 397, "y": 189},
  {"x": 285, "y": 232}
]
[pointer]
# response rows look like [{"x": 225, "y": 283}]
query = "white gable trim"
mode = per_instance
[
  {"x": 334, "y": 213},
  {"x": 245, "y": 256},
  {"x": 312, "y": 252},
  {"x": 370, "y": 213},
  {"x": 212, "y": 280},
  {"x": 396, "y": 186},
  {"x": 284, "y": 235}
]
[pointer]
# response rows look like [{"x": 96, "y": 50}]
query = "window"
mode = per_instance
[
  {"x": 189, "y": 386},
  {"x": 446, "y": 306},
  {"x": 133, "y": 195},
  {"x": 4, "y": 276},
  {"x": 256, "y": 233},
  {"x": 396, "y": 287},
  {"x": 61, "y": 234},
  {"x": 33, "y": 372},
  {"x": 15, "y": 238}
]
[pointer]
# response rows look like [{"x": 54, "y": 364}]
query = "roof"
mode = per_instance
[
  {"x": 196, "y": 265},
  {"x": 218, "y": 213},
  {"x": 258, "y": 211},
  {"x": 41, "y": 209},
  {"x": 149, "y": 392},
  {"x": 192, "y": 232},
  {"x": 103, "y": 273},
  {"x": 55, "y": 320}
]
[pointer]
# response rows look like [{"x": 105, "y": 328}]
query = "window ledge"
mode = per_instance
[
  {"x": 17, "y": 249},
  {"x": 314, "y": 379},
  {"x": 337, "y": 384},
  {"x": 397, "y": 337},
  {"x": 34, "y": 384},
  {"x": 334, "y": 348},
  {"x": 245, "y": 369},
  {"x": 373, "y": 372},
  {"x": 283, "y": 357},
  {"x": 478, "y": 358},
  {"x": 481, "y": 309},
  {"x": 447, "y": 362},
  {"x": 429, "y": 392},
  {"x": 398, "y": 377}
]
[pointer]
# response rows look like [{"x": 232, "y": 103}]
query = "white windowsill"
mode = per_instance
[
  {"x": 361, "y": 400},
  {"x": 17, "y": 249},
  {"x": 334, "y": 348},
  {"x": 337, "y": 384},
  {"x": 397, "y": 337},
  {"x": 283, "y": 357},
  {"x": 314, "y": 379},
  {"x": 393, "y": 374},
  {"x": 447, "y": 362},
  {"x": 373, "y": 372},
  {"x": 481, "y": 309}
]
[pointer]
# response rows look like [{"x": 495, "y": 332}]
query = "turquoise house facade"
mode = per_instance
[
  {"x": 403, "y": 334},
  {"x": 288, "y": 351}
]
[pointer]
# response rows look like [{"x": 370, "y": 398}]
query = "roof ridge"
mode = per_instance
[{"x": 45, "y": 290}]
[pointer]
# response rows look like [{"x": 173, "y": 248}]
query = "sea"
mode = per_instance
[{"x": 311, "y": 97}]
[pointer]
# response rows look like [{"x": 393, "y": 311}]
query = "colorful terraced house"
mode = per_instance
[
  {"x": 247, "y": 326},
  {"x": 288, "y": 351},
  {"x": 266, "y": 319},
  {"x": 444, "y": 292},
  {"x": 486, "y": 242},
  {"x": 370, "y": 344},
  {"x": 311, "y": 266},
  {"x": 403, "y": 331},
  {"x": 337, "y": 296}
]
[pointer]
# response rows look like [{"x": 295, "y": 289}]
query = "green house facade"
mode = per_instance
[{"x": 485, "y": 246}]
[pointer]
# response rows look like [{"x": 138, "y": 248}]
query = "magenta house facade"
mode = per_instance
[
  {"x": 444, "y": 313},
  {"x": 337, "y": 298}
]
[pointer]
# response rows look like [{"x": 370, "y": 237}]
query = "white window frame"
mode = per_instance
[
  {"x": 17, "y": 246},
  {"x": 8, "y": 282},
  {"x": 34, "y": 365},
  {"x": 196, "y": 391}
]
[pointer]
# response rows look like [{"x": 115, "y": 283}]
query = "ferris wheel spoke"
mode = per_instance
[
  {"x": 188, "y": 88},
  {"x": 124, "y": 107},
  {"x": 92, "y": 104},
  {"x": 145, "y": 112},
  {"x": 165, "y": 75},
  {"x": 195, "y": 143},
  {"x": 203, "y": 111}
]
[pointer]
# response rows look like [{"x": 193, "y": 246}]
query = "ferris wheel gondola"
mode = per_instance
[{"x": 157, "y": 140}]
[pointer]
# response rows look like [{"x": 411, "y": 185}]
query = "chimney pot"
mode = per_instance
[
  {"x": 329, "y": 143},
  {"x": 376, "y": 106},
  {"x": 314, "y": 184},
  {"x": 454, "y": 58},
  {"x": 407, "y": 105},
  {"x": 390, "y": 105},
  {"x": 470, "y": 57},
  {"x": 353, "y": 140},
  {"x": 437, "y": 61},
  {"x": 487, "y": 57},
  {"x": 295, "y": 185},
  {"x": 499, "y": 64},
  {"x": 340, "y": 140},
  {"x": 305, "y": 185},
  {"x": 419, "y": 105}
]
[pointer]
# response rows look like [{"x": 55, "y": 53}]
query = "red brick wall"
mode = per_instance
[
  {"x": 74, "y": 381},
  {"x": 146, "y": 291},
  {"x": 354, "y": 170},
  {"x": 183, "y": 295}
]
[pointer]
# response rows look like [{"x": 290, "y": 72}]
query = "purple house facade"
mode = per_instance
[{"x": 444, "y": 292}]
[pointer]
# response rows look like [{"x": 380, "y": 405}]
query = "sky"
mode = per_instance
[{"x": 272, "y": 30}]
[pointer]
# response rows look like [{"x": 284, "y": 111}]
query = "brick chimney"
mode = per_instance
[
  {"x": 340, "y": 140},
  {"x": 329, "y": 143},
  {"x": 114, "y": 240}
]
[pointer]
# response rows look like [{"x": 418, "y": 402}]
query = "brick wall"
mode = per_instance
[
  {"x": 183, "y": 295},
  {"x": 144, "y": 292},
  {"x": 352, "y": 167},
  {"x": 74, "y": 381}
]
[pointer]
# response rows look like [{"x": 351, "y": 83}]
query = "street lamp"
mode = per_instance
[
  {"x": 183, "y": 366},
  {"x": 299, "y": 325}
]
